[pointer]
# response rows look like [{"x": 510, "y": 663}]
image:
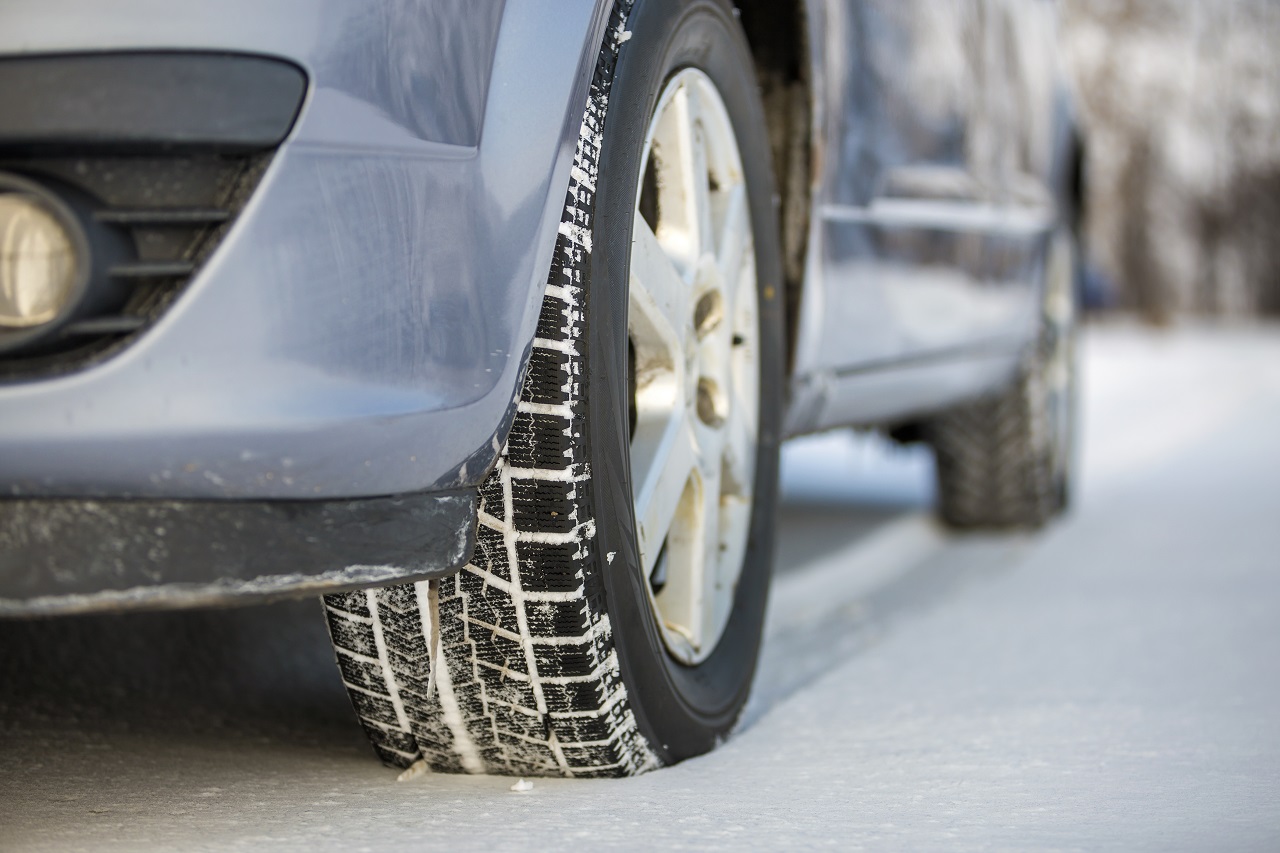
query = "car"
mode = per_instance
[{"x": 485, "y": 321}]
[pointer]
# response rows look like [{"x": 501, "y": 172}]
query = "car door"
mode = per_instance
[{"x": 934, "y": 126}]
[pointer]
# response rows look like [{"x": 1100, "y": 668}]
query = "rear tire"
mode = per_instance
[
  {"x": 545, "y": 655},
  {"x": 1008, "y": 460}
]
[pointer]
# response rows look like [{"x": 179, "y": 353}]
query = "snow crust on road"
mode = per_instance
[{"x": 1111, "y": 684}]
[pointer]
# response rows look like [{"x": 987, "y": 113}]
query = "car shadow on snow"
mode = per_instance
[
  {"x": 239, "y": 675},
  {"x": 843, "y": 496}
]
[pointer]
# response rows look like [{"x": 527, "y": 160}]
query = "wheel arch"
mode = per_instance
[{"x": 777, "y": 33}]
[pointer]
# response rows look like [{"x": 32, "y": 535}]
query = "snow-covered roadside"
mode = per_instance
[{"x": 1111, "y": 684}]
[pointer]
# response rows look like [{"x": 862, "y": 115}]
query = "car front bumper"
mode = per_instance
[
  {"x": 315, "y": 410},
  {"x": 361, "y": 329}
]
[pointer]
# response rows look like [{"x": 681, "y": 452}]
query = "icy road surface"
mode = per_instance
[{"x": 1112, "y": 684}]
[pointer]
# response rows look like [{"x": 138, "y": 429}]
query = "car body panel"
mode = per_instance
[
  {"x": 362, "y": 329},
  {"x": 940, "y": 138}
]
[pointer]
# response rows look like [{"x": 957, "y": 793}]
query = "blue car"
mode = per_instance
[{"x": 485, "y": 320}]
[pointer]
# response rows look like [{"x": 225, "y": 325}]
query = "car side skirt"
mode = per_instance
[
  {"x": 899, "y": 391},
  {"x": 74, "y": 556}
]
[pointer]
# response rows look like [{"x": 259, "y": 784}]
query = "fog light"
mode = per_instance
[{"x": 38, "y": 265}]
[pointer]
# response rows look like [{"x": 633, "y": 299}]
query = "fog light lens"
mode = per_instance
[{"x": 37, "y": 263}]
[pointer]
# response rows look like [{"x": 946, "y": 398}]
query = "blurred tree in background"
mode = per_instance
[{"x": 1181, "y": 105}]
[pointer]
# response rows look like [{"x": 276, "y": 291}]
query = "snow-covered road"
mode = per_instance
[{"x": 1111, "y": 684}]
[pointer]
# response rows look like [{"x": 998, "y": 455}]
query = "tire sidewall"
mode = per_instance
[{"x": 682, "y": 710}]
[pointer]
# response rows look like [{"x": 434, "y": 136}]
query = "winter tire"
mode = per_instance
[
  {"x": 1007, "y": 460},
  {"x": 610, "y": 618}
]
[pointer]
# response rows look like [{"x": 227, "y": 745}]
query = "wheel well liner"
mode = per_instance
[{"x": 777, "y": 33}]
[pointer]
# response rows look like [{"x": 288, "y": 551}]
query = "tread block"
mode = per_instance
[
  {"x": 412, "y": 673},
  {"x": 362, "y": 674},
  {"x": 572, "y": 697},
  {"x": 354, "y": 603},
  {"x": 353, "y": 636},
  {"x": 541, "y": 441},
  {"x": 406, "y": 625},
  {"x": 570, "y": 662},
  {"x": 548, "y": 373},
  {"x": 543, "y": 506},
  {"x": 396, "y": 740},
  {"x": 375, "y": 708},
  {"x": 553, "y": 316},
  {"x": 558, "y": 619},
  {"x": 486, "y": 608},
  {"x": 491, "y": 497},
  {"x": 549, "y": 567},
  {"x": 491, "y": 552},
  {"x": 389, "y": 757},
  {"x": 504, "y": 657}
]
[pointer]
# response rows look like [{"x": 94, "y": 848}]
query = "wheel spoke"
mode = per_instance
[
  {"x": 688, "y": 601},
  {"x": 739, "y": 450},
  {"x": 660, "y": 472},
  {"x": 734, "y": 515},
  {"x": 696, "y": 174},
  {"x": 735, "y": 238},
  {"x": 658, "y": 300},
  {"x": 708, "y": 577},
  {"x": 684, "y": 197}
]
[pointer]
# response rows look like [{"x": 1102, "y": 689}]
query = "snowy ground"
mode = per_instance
[{"x": 1111, "y": 684}]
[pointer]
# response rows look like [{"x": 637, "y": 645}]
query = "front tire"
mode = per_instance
[{"x": 552, "y": 652}]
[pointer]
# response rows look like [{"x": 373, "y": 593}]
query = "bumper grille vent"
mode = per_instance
[{"x": 176, "y": 209}]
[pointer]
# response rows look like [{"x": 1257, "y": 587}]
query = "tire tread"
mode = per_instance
[
  {"x": 509, "y": 666},
  {"x": 993, "y": 467}
]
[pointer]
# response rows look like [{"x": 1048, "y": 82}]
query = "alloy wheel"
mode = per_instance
[{"x": 693, "y": 332}]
